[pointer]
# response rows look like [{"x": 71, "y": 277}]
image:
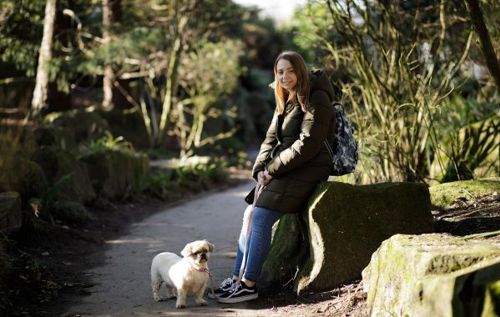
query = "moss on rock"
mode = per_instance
[
  {"x": 68, "y": 176},
  {"x": 287, "y": 256},
  {"x": 23, "y": 176},
  {"x": 345, "y": 224},
  {"x": 445, "y": 195},
  {"x": 115, "y": 173},
  {"x": 433, "y": 275}
]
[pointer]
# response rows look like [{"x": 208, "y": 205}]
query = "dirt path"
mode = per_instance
[{"x": 122, "y": 284}]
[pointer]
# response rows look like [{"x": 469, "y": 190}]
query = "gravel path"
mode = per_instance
[{"x": 122, "y": 284}]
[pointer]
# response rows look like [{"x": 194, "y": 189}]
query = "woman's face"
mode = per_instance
[{"x": 286, "y": 75}]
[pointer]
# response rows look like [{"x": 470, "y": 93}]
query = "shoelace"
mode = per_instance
[
  {"x": 227, "y": 282},
  {"x": 234, "y": 287}
]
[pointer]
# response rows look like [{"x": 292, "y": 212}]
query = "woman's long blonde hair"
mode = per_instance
[{"x": 301, "y": 94}]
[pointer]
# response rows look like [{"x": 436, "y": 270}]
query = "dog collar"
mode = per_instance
[{"x": 204, "y": 270}]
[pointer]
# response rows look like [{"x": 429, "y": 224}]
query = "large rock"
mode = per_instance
[
  {"x": 11, "y": 217},
  {"x": 434, "y": 275},
  {"x": 287, "y": 253},
  {"x": 23, "y": 176},
  {"x": 346, "y": 224},
  {"x": 115, "y": 173},
  {"x": 68, "y": 177}
]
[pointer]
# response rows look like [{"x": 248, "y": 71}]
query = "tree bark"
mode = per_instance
[
  {"x": 39, "y": 101},
  {"x": 484, "y": 37},
  {"x": 173, "y": 68},
  {"x": 108, "y": 78}
]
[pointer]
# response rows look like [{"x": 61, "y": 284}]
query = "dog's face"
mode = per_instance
[{"x": 199, "y": 251}]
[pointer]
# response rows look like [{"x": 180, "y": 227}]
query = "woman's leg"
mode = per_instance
[
  {"x": 242, "y": 241},
  {"x": 259, "y": 242}
]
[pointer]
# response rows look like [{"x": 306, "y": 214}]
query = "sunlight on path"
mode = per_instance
[{"x": 123, "y": 283}]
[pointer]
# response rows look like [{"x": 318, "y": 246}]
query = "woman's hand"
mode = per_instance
[{"x": 264, "y": 178}]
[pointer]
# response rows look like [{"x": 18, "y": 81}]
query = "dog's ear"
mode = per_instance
[
  {"x": 187, "y": 250},
  {"x": 210, "y": 247}
]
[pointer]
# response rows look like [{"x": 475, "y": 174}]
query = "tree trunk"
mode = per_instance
[
  {"x": 39, "y": 101},
  {"x": 484, "y": 37},
  {"x": 108, "y": 78},
  {"x": 171, "y": 78}
]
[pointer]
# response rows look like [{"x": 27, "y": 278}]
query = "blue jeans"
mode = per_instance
[{"x": 258, "y": 242}]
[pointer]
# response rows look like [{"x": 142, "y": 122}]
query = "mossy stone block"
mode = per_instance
[
  {"x": 347, "y": 223},
  {"x": 65, "y": 173},
  {"x": 445, "y": 195},
  {"x": 434, "y": 275},
  {"x": 23, "y": 176},
  {"x": 287, "y": 252},
  {"x": 11, "y": 217},
  {"x": 115, "y": 173},
  {"x": 332, "y": 241}
]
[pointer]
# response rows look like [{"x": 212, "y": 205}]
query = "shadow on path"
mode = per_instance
[{"x": 121, "y": 284}]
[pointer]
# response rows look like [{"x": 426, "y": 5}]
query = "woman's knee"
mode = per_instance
[{"x": 264, "y": 218}]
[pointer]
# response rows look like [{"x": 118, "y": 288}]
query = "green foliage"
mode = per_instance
[
  {"x": 311, "y": 29},
  {"x": 209, "y": 73},
  {"x": 108, "y": 141},
  {"x": 174, "y": 182},
  {"x": 21, "y": 29},
  {"x": 471, "y": 147},
  {"x": 21, "y": 25},
  {"x": 396, "y": 67}
]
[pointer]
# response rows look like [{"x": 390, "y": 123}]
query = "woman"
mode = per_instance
[{"x": 291, "y": 162}]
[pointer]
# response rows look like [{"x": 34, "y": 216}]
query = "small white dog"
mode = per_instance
[{"x": 182, "y": 276}]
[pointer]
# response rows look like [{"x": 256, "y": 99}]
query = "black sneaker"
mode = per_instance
[
  {"x": 241, "y": 293},
  {"x": 224, "y": 287}
]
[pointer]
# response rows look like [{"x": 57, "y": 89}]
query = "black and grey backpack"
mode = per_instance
[{"x": 342, "y": 146}]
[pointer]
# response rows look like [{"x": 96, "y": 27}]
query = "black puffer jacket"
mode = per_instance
[{"x": 293, "y": 152}]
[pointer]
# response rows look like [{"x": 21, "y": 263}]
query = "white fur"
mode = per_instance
[{"x": 181, "y": 276}]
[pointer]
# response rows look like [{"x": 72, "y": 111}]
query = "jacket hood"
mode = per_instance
[{"x": 320, "y": 81}]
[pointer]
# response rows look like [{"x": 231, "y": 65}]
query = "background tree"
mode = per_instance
[
  {"x": 484, "y": 37},
  {"x": 211, "y": 72},
  {"x": 42, "y": 76},
  {"x": 397, "y": 65}
]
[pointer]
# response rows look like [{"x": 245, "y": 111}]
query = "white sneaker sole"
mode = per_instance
[{"x": 239, "y": 299}]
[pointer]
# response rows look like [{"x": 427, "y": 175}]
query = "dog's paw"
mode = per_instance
[
  {"x": 202, "y": 302},
  {"x": 157, "y": 298},
  {"x": 180, "y": 306}
]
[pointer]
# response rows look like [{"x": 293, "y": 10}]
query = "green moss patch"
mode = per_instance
[
  {"x": 434, "y": 275},
  {"x": 116, "y": 173},
  {"x": 443, "y": 196},
  {"x": 345, "y": 224}
]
